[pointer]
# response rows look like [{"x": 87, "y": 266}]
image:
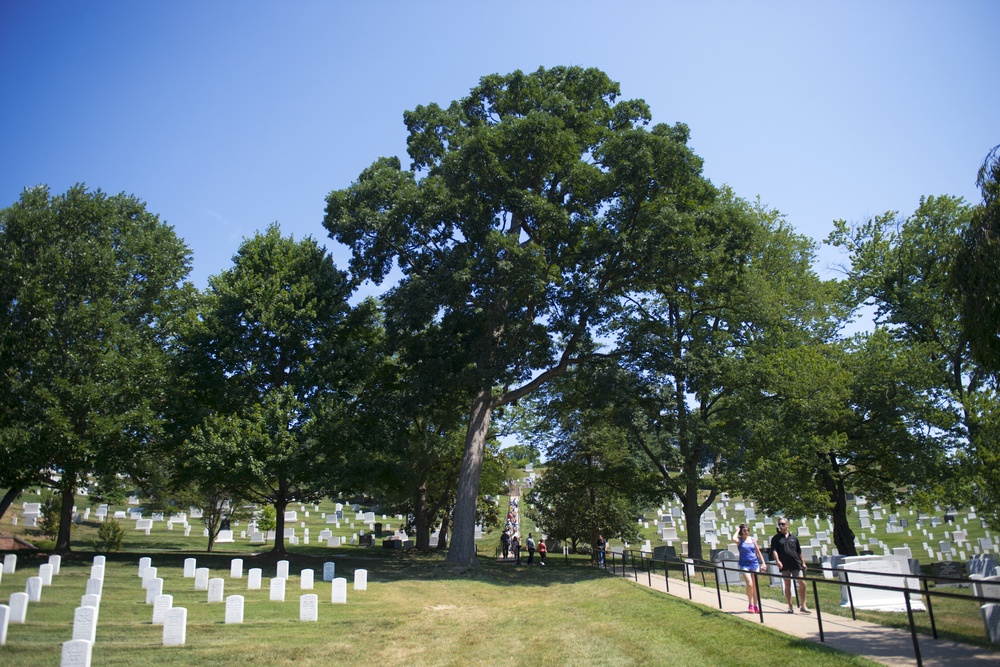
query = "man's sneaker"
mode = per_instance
[{"x": 791, "y": 610}]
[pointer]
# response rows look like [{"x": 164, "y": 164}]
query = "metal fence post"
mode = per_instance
[
  {"x": 850, "y": 597},
  {"x": 819, "y": 614},
  {"x": 930, "y": 609},
  {"x": 913, "y": 629},
  {"x": 718, "y": 590}
]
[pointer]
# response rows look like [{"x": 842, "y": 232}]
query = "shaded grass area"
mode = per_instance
[{"x": 416, "y": 611}]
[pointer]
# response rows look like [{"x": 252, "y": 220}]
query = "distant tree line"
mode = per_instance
[{"x": 568, "y": 274}]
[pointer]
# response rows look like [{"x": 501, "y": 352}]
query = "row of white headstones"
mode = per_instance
[{"x": 77, "y": 652}]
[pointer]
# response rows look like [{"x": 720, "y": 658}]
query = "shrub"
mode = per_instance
[
  {"x": 110, "y": 535},
  {"x": 48, "y": 522}
]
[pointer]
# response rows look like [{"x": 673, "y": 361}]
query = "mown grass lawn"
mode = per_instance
[{"x": 415, "y": 611}]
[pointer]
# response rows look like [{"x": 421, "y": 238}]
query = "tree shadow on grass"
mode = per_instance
[{"x": 383, "y": 565}]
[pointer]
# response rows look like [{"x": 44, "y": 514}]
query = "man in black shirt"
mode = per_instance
[{"x": 787, "y": 553}]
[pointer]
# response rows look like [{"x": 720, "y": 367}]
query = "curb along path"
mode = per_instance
[{"x": 888, "y": 646}]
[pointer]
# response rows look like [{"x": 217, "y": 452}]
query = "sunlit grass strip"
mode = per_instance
[{"x": 415, "y": 611}]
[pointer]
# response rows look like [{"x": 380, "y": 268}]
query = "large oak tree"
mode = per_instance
[{"x": 528, "y": 209}]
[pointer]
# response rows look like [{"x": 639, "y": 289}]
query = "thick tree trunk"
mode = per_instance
[
  {"x": 421, "y": 518},
  {"x": 212, "y": 523},
  {"x": 9, "y": 497},
  {"x": 692, "y": 521},
  {"x": 463, "y": 542},
  {"x": 67, "y": 486},
  {"x": 843, "y": 536},
  {"x": 443, "y": 534},
  {"x": 279, "y": 523}
]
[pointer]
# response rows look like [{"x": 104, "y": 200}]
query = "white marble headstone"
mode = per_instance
[
  {"x": 18, "y": 607},
  {"x": 45, "y": 573},
  {"x": 338, "y": 594},
  {"x": 201, "y": 579},
  {"x": 9, "y": 563},
  {"x": 991, "y": 619},
  {"x": 33, "y": 587},
  {"x": 144, "y": 562},
  {"x": 361, "y": 580},
  {"x": 90, "y": 600},
  {"x": 85, "y": 623},
  {"x": 306, "y": 580},
  {"x": 253, "y": 579},
  {"x": 154, "y": 588},
  {"x": 160, "y": 606},
  {"x": 872, "y": 570},
  {"x": 148, "y": 576},
  {"x": 216, "y": 587},
  {"x": 190, "y": 565},
  {"x": 328, "y": 570},
  {"x": 234, "y": 609},
  {"x": 76, "y": 653},
  {"x": 236, "y": 568},
  {"x": 55, "y": 560},
  {"x": 278, "y": 589},
  {"x": 282, "y": 569},
  {"x": 94, "y": 586},
  {"x": 4, "y": 622},
  {"x": 100, "y": 560},
  {"x": 309, "y": 607},
  {"x": 175, "y": 627},
  {"x": 97, "y": 571}
]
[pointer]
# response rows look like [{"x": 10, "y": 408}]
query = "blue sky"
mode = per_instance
[{"x": 227, "y": 116}]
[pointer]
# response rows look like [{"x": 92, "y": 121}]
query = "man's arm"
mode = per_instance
[{"x": 775, "y": 550}]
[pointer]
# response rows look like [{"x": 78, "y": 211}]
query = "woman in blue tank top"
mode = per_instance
[{"x": 751, "y": 560}]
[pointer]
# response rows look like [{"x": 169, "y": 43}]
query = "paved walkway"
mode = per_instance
[{"x": 888, "y": 646}]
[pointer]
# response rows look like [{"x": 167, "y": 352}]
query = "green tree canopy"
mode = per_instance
[
  {"x": 593, "y": 483},
  {"x": 90, "y": 287},
  {"x": 906, "y": 268},
  {"x": 737, "y": 288},
  {"x": 529, "y": 208},
  {"x": 977, "y": 269},
  {"x": 854, "y": 417},
  {"x": 283, "y": 352}
]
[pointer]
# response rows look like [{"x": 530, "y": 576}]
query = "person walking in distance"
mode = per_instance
[
  {"x": 530, "y": 543},
  {"x": 515, "y": 544},
  {"x": 787, "y": 553},
  {"x": 505, "y": 544},
  {"x": 602, "y": 549},
  {"x": 542, "y": 550},
  {"x": 751, "y": 561}
]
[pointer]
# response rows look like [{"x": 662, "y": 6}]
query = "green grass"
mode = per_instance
[
  {"x": 84, "y": 535},
  {"x": 955, "y": 619},
  {"x": 416, "y": 611}
]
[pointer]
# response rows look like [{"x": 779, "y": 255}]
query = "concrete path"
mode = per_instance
[{"x": 888, "y": 646}]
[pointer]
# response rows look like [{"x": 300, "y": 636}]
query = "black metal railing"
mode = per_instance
[{"x": 626, "y": 561}]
